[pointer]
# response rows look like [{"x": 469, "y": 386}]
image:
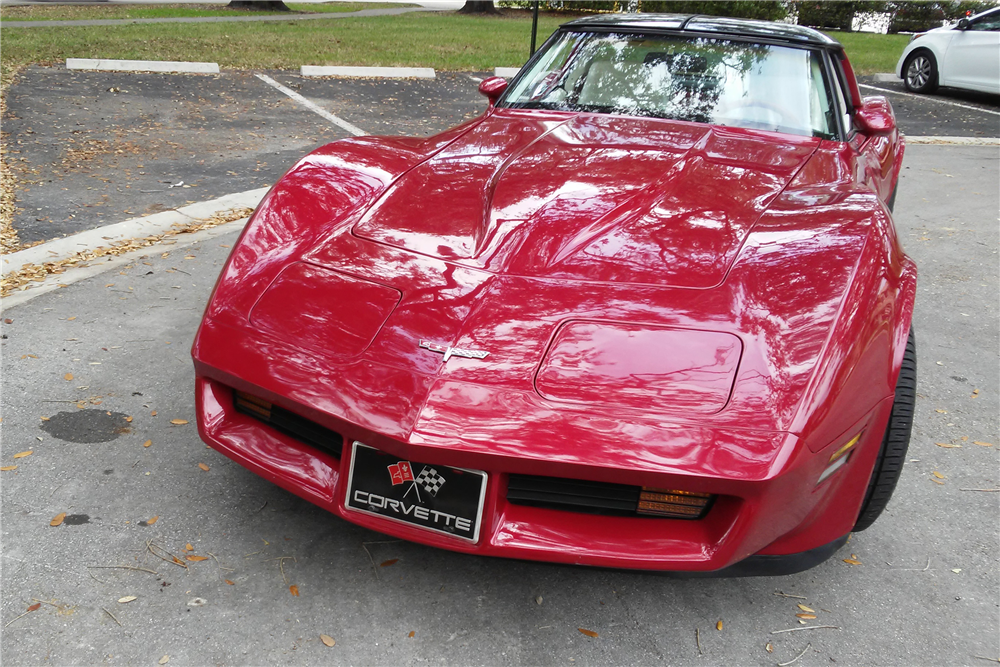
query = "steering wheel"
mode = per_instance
[{"x": 735, "y": 112}]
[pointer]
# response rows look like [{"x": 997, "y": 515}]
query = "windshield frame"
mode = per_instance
[{"x": 826, "y": 53}]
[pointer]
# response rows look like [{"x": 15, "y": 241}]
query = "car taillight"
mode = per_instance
[
  {"x": 839, "y": 458},
  {"x": 672, "y": 503}
]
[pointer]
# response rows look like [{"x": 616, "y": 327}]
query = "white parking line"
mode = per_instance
[
  {"x": 929, "y": 99},
  {"x": 339, "y": 122}
]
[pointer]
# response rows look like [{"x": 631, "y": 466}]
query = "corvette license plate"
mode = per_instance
[{"x": 439, "y": 498}]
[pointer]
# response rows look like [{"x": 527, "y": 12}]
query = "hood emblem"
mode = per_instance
[{"x": 450, "y": 352}]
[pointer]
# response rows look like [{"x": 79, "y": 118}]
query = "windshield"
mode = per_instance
[{"x": 697, "y": 79}]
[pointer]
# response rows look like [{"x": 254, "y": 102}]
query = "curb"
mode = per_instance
[
  {"x": 506, "y": 72},
  {"x": 141, "y": 66},
  {"x": 54, "y": 282},
  {"x": 951, "y": 141},
  {"x": 129, "y": 229},
  {"x": 383, "y": 72},
  {"x": 885, "y": 77}
]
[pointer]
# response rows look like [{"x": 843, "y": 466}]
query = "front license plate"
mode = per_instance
[{"x": 439, "y": 498}]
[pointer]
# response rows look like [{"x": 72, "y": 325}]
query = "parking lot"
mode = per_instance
[{"x": 96, "y": 371}]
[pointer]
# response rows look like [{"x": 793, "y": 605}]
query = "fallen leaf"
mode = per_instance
[
  {"x": 147, "y": 443},
  {"x": 21, "y": 455},
  {"x": 196, "y": 559},
  {"x": 975, "y": 393},
  {"x": 35, "y": 607},
  {"x": 589, "y": 633},
  {"x": 8, "y": 321},
  {"x": 982, "y": 444},
  {"x": 44, "y": 419},
  {"x": 188, "y": 547},
  {"x": 412, "y": 633},
  {"x": 937, "y": 474},
  {"x": 852, "y": 561},
  {"x": 937, "y": 481},
  {"x": 128, "y": 419},
  {"x": 6, "y": 468},
  {"x": 70, "y": 319},
  {"x": 807, "y": 609},
  {"x": 68, "y": 377},
  {"x": 153, "y": 520},
  {"x": 957, "y": 570},
  {"x": 769, "y": 647},
  {"x": 965, "y": 438},
  {"x": 806, "y": 616},
  {"x": 294, "y": 590},
  {"x": 153, "y": 413},
  {"x": 178, "y": 560},
  {"x": 164, "y": 660},
  {"x": 944, "y": 412},
  {"x": 947, "y": 445},
  {"x": 718, "y": 626},
  {"x": 178, "y": 422},
  {"x": 231, "y": 583},
  {"x": 387, "y": 563},
  {"x": 57, "y": 519},
  {"x": 327, "y": 639},
  {"x": 204, "y": 467},
  {"x": 127, "y": 599}
]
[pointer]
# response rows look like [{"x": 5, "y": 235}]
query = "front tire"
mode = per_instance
[
  {"x": 892, "y": 454},
  {"x": 920, "y": 72}
]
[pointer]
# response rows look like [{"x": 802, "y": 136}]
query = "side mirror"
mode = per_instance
[
  {"x": 963, "y": 24},
  {"x": 493, "y": 88},
  {"x": 875, "y": 116}
]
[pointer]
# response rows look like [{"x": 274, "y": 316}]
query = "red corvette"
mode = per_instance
[{"x": 648, "y": 310}]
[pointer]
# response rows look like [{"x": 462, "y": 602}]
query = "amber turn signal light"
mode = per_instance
[
  {"x": 839, "y": 458},
  {"x": 673, "y": 503},
  {"x": 257, "y": 406}
]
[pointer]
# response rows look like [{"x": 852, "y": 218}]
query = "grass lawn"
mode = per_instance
[
  {"x": 82, "y": 12},
  {"x": 445, "y": 41},
  {"x": 870, "y": 53}
]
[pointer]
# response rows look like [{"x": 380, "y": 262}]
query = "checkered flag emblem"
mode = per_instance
[{"x": 430, "y": 480}]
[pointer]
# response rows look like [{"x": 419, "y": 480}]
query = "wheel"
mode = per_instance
[
  {"x": 920, "y": 72},
  {"x": 891, "y": 455}
]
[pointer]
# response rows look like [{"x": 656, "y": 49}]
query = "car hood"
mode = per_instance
[{"x": 589, "y": 197}]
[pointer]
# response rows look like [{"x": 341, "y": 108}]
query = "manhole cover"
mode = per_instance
[{"x": 87, "y": 425}]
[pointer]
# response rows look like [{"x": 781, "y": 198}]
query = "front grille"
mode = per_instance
[
  {"x": 300, "y": 428},
  {"x": 603, "y": 498}
]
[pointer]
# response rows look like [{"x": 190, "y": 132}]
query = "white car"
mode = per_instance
[{"x": 966, "y": 55}]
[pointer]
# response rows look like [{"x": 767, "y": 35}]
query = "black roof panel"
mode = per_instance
[{"x": 716, "y": 25}]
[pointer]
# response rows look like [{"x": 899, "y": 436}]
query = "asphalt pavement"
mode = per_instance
[
  {"x": 94, "y": 371},
  {"x": 93, "y": 148}
]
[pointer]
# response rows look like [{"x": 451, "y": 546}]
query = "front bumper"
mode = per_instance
[{"x": 781, "y": 522}]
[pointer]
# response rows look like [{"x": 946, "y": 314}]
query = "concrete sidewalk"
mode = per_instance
[{"x": 219, "y": 19}]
